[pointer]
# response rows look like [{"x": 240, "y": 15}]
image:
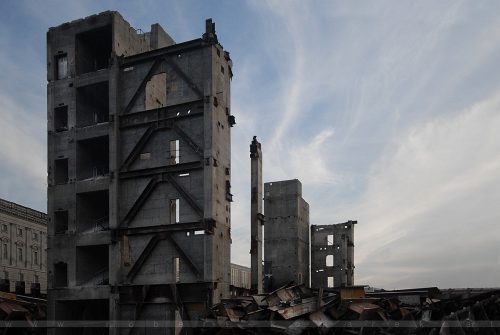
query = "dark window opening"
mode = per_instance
[
  {"x": 61, "y": 222},
  {"x": 61, "y": 67},
  {"x": 92, "y": 265},
  {"x": 60, "y": 274},
  {"x": 92, "y": 158},
  {"x": 61, "y": 118},
  {"x": 92, "y": 211},
  {"x": 93, "y": 50},
  {"x": 92, "y": 104},
  {"x": 61, "y": 171}
]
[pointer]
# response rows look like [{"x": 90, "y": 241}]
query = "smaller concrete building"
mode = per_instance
[
  {"x": 286, "y": 234},
  {"x": 332, "y": 255},
  {"x": 23, "y": 249}
]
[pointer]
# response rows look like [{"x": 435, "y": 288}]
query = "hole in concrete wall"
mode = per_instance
[
  {"x": 184, "y": 175},
  {"x": 174, "y": 211},
  {"x": 61, "y": 222},
  {"x": 92, "y": 211},
  {"x": 145, "y": 156},
  {"x": 61, "y": 171},
  {"x": 177, "y": 269},
  {"x": 92, "y": 158},
  {"x": 156, "y": 91},
  {"x": 81, "y": 310},
  {"x": 199, "y": 232},
  {"x": 174, "y": 152},
  {"x": 93, "y": 50},
  {"x": 61, "y": 68},
  {"x": 330, "y": 282},
  {"x": 330, "y": 239},
  {"x": 60, "y": 274},
  {"x": 92, "y": 104},
  {"x": 299, "y": 278},
  {"x": 92, "y": 265},
  {"x": 329, "y": 260},
  {"x": 61, "y": 118}
]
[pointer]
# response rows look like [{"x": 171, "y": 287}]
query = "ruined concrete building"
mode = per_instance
[
  {"x": 139, "y": 172},
  {"x": 332, "y": 255},
  {"x": 286, "y": 233}
]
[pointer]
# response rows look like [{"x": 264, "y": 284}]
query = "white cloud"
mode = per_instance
[{"x": 430, "y": 204}]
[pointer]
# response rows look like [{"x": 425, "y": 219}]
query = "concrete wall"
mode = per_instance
[
  {"x": 286, "y": 232},
  {"x": 180, "y": 93},
  {"x": 335, "y": 242}
]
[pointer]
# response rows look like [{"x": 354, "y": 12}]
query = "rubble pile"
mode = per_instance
[{"x": 298, "y": 310}]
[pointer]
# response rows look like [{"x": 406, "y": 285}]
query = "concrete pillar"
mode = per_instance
[{"x": 256, "y": 215}]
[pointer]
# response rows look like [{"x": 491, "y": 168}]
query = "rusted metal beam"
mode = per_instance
[
  {"x": 162, "y": 52},
  {"x": 140, "y": 201},
  {"x": 171, "y": 169},
  {"x": 186, "y": 138},
  {"x": 185, "y": 194},
  {"x": 184, "y": 76},
  {"x": 148, "y": 249},
  {"x": 175, "y": 112},
  {"x": 183, "y": 255},
  {"x": 142, "y": 85},
  {"x": 132, "y": 156}
]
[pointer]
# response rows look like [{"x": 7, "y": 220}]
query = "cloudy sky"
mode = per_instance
[{"x": 387, "y": 111}]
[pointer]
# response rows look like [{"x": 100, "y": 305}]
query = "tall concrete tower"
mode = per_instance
[
  {"x": 257, "y": 218},
  {"x": 286, "y": 235},
  {"x": 139, "y": 170}
]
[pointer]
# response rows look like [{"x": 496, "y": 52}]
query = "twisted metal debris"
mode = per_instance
[{"x": 298, "y": 310}]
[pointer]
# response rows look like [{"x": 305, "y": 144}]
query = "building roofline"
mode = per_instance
[{"x": 23, "y": 212}]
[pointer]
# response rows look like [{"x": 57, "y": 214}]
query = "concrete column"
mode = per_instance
[{"x": 256, "y": 215}]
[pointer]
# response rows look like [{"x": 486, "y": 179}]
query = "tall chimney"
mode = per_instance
[{"x": 257, "y": 218}]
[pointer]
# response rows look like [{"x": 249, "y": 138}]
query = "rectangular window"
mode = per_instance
[
  {"x": 34, "y": 236},
  {"x": 4, "y": 227},
  {"x": 330, "y": 282},
  {"x": 35, "y": 279},
  {"x": 174, "y": 152},
  {"x": 61, "y": 118},
  {"x": 61, "y": 221},
  {"x": 21, "y": 276},
  {"x": 20, "y": 254},
  {"x": 330, "y": 239},
  {"x": 35, "y": 257},
  {"x": 19, "y": 232},
  {"x": 174, "y": 211},
  {"x": 6, "y": 274},
  {"x": 61, "y": 66},
  {"x": 61, "y": 171},
  {"x": 5, "y": 251}
]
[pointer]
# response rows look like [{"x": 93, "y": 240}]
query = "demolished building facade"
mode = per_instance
[{"x": 139, "y": 172}]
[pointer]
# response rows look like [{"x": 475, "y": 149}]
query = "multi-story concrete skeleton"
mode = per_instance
[
  {"x": 139, "y": 172},
  {"x": 332, "y": 255}
]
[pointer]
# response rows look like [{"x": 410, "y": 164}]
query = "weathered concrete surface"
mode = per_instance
[
  {"x": 286, "y": 232},
  {"x": 256, "y": 215},
  {"x": 139, "y": 160},
  {"x": 332, "y": 255}
]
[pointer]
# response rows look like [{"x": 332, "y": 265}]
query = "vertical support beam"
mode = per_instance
[{"x": 256, "y": 215}]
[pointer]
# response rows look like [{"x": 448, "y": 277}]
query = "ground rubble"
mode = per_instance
[{"x": 295, "y": 310}]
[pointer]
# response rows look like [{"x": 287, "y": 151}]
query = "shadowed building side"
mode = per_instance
[{"x": 286, "y": 234}]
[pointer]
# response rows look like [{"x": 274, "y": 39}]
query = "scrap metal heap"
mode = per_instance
[{"x": 349, "y": 310}]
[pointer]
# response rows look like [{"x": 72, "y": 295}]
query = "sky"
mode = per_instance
[{"x": 388, "y": 112}]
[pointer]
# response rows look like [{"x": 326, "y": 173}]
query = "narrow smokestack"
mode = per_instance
[{"x": 257, "y": 218}]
